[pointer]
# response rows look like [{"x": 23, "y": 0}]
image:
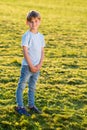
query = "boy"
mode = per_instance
[{"x": 33, "y": 51}]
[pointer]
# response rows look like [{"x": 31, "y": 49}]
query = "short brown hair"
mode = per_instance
[{"x": 33, "y": 14}]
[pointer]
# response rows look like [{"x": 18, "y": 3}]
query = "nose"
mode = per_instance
[{"x": 33, "y": 23}]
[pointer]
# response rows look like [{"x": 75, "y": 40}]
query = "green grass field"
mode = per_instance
[{"x": 62, "y": 86}]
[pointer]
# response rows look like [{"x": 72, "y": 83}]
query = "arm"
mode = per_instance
[
  {"x": 26, "y": 56},
  {"x": 42, "y": 57},
  {"x": 41, "y": 60}
]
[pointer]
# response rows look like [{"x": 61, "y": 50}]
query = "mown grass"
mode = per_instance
[{"x": 62, "y": 86}]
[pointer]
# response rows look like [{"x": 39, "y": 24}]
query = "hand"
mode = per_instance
[
  {"x": 33, "y": 69},
  {"x": 38, "y": 66}
]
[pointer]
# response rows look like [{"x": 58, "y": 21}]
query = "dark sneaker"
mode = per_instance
[
  {"x": 22, "y": 111},
  {"x": 35, "y": 109}
]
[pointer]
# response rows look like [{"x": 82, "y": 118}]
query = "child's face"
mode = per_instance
[{"x": 34, "y": 23}]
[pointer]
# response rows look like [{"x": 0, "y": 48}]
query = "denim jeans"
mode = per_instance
[{"x": 26, "y": 77}]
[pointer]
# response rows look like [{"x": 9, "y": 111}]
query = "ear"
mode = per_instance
[
  {"x": 27, "y": 22},
  {"x": 39, "y": 22}
]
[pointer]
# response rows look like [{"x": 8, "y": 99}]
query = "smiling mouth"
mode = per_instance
[{"x": 33, "y": 26}]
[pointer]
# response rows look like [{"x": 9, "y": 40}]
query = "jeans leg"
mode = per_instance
[
  {"x": 31, "y": 87},
  {"x": 24, "y": 77}
]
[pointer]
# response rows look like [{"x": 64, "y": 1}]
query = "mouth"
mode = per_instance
[{"x": 33, "y": 27}]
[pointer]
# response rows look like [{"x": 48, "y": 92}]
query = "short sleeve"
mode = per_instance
[
  {"x": 24, "y": 41},
  {"x": 43, "y": 42}
]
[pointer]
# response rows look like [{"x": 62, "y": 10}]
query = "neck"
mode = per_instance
[{"x": 34, "y": 31}]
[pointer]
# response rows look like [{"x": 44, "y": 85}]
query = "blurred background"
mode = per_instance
[{"x": 62, "y": 87}]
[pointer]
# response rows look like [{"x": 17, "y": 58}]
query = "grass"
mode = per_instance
[{"x": 62, "y": 86}]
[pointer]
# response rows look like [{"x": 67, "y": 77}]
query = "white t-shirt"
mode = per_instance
[{"x": 34, "y": 42}]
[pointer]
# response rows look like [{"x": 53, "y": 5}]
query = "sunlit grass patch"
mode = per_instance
[{"x": 61, "y": 91}]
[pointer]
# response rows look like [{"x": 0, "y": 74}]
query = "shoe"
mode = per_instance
[
  {"x": 35, "y": 109},
  {"x": 21, "y": 111}
]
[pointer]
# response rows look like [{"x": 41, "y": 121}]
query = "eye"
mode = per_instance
[{"x": 31, "y": 21}]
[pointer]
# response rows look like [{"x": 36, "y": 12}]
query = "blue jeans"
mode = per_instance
[{"x": 26, "y": 77}]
